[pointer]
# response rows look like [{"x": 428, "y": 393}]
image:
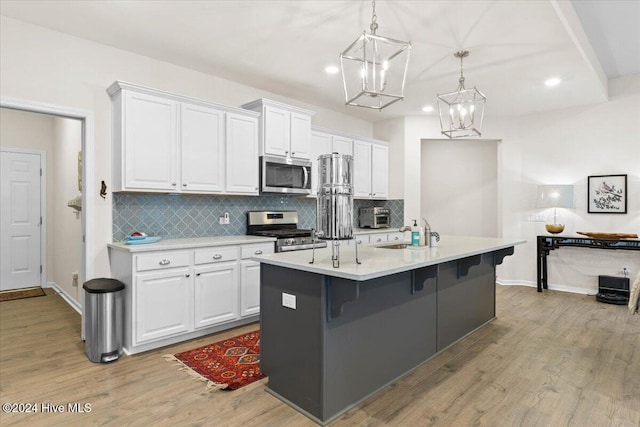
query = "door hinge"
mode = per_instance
[
  {"x": 40, "y": 269},
  {"x": 40, "y": 220},
  {"x": 40, "y": 171}
]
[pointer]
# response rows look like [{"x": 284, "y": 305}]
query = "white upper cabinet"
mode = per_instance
[
  {"x": 202, "y": 143},
  {"x": 326, "y": 143},
  {"x": 285, "y": 130},
  {"x": 242, "y": 154},
  {"x": 148, "y": 159},
  {"x": 379, "y": 171},
  {"x": 342, "y": 145},
  {"x": 370, "y": 170},
  {"x": 164, "y": 142}
]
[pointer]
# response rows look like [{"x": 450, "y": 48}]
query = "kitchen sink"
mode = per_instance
[{"x": 394, "y": 246}]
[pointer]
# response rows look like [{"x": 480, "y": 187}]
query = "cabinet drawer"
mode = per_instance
[
  {"x": 258, "y": 249},
  {"x": 162, "y": 260},
  {"x": 216, "y": 254}
]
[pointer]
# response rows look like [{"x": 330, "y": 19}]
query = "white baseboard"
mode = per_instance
[
  {"x": 65, "y": 296},
  {"x": 552, "y": 286}
]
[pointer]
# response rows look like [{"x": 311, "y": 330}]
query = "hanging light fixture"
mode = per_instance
[
  {"x": 462, "y": 111},
  {"x": 374, "y": 69}
]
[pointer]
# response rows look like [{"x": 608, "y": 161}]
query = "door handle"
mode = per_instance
[{"x": 306, "y": 176}]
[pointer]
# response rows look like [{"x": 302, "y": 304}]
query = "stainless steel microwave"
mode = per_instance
[{"x": 285, "y": 175}]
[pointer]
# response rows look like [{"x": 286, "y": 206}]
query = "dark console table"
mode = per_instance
[{"x": 548, "y": 243}]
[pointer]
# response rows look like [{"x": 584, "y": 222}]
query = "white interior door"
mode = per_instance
[{"x": 20, "y": 220}]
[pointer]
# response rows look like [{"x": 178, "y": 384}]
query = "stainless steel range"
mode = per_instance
[{"x": 283, "y": 225}]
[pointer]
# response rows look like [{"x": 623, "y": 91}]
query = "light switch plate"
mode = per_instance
[{"x": 289, "y": 301}]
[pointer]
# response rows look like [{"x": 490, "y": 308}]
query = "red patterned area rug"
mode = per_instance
[{"x": 228, "y": 364}]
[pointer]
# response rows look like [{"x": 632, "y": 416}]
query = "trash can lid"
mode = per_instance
[{"x": 102, "y": 286}]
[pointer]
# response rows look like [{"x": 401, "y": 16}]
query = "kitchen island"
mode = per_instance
[{"x": 331, "y": 337}]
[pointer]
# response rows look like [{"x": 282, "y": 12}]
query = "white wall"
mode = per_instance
[
  {"x": 30, "y": 131},
  {"x": 41, "y": 65},
  {"x": 67, "y": 235},
  {"x": 460, "y": 176}
]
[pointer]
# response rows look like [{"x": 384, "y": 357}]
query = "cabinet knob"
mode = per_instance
[
  {"x": 379, "y": 240},
  {"x": 217, "y": 256},
  {"x": 184, "y": 185},
  {"x": 258, "y": 252},
  {"x": 164, "y": 262},
  {"x": 197, "y": 274},
  {"x": 373, "y": 194},
  {"x": 173, "y": 183},
  {"x": 358, "y": 242},
  {"x": 256, "y": 188},
  {"x": 187, "y": 275},
  {"x": 396, "y": 238},
  {"x": 293, "y": 153}
]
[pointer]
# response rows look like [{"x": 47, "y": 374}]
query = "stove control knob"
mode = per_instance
[
  {"x": 289, "y": 242},
  {"x": 303, "y": 240}
]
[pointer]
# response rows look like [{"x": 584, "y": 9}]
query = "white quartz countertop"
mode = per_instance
[
  {"x": 198, "y": 242},
  {"x": 378, "y": 262}
]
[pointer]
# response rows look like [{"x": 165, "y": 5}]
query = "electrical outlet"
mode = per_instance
[
  {"x": 74, "y": 279},
  {"x": 226, "y": 218},
  {"x": 289, "y": 301}
]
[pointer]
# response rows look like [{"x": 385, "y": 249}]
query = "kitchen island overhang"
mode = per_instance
[{"x": 358, "y": 328}]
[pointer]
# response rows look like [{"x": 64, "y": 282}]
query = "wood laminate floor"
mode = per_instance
[{"x": 550, "y": 359}]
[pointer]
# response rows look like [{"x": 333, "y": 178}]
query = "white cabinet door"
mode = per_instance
[
  {"x": 277, "y": 131},
  {"x": 162, "y": 304},
  {"x": 397, "y": 237},
  {"x": 242, "y": 154},
  {"x": 300, "y": 136},
  {"x": 215, "y": 294},
  {"x": 249, "y": 288},
  {"x": 379, "y": 171},
  {"x": 202, "y": 144},
  {"x": 361, "y": 169},
  {"x": 378, "y": 238},
  {"x": 320, "y": 144},
  {"x": 342, "y": 145},
  {"x": 151, "y": 142}
]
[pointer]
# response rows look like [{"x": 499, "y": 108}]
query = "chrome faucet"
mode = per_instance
[{"x": 404, "y": 228}]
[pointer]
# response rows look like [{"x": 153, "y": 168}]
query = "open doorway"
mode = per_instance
[
  {"x": 459, "y": 184},
  {"x": 67, "y": 122}
]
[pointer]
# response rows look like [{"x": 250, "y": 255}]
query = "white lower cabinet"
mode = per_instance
[
  {"x": 176, "y": 295},
  {"x": 249, "y": 288},
  {"x": 215, "y": 295},
  {"x": 162, "y": 304}
]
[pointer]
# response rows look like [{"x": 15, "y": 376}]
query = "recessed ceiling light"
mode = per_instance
[
  {"x": 427, "y": 108},
  {"x": 331, "y": 69},
  {"x": 553, "y": 81}
]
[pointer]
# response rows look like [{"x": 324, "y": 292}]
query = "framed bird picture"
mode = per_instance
[{"x": 607, "y": 194}]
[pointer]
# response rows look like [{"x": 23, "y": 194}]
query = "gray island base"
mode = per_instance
[{"x": 348, "y": 337}]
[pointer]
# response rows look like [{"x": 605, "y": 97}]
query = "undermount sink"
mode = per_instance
[{"x": 394, "y": 246}]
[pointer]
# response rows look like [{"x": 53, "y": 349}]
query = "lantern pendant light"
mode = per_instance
[
  {"x": 374, "y": 69},
  {"x": 461, "y": 112}
]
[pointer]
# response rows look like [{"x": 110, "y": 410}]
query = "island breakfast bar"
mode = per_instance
[{"x": 331, "y": 337}]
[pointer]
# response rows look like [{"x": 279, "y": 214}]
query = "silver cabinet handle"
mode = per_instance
[
  {"x": 164, "y": 261},
  {"x": 258, "y": 252},
  {"x": 173, "y": 183},
  {"x": 217, "y": 256}
]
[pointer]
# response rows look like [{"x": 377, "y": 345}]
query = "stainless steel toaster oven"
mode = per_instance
[{"x": 375, "y": 217}]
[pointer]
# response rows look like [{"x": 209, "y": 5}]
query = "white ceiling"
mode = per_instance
[{"x": 284, "y": 46}]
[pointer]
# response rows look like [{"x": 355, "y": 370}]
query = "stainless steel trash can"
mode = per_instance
[{"x": 103, "y": 319}]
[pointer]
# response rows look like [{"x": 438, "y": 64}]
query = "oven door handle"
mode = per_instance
[{"x": 306, "y": 177}]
